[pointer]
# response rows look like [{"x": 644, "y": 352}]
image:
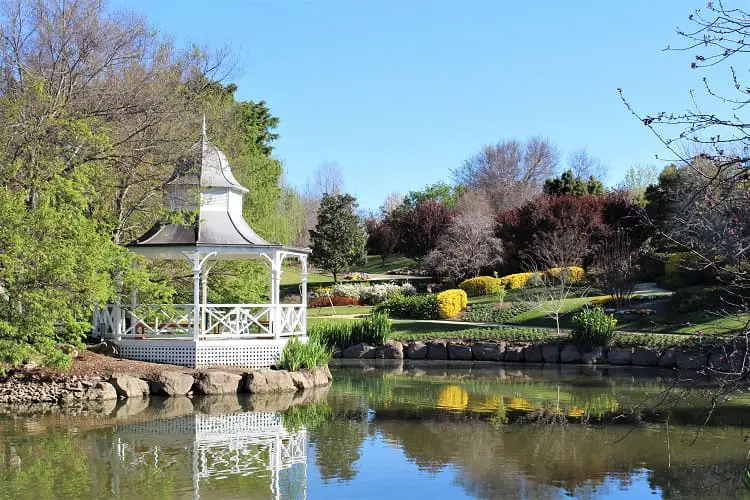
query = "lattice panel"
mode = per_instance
[
  {"x": 238, "y": 423},
  {"x": 244, "y": 354},
  {"x": 180, "y": 353}
]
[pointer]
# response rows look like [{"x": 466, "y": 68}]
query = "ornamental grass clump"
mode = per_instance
[
  {"x": 297, "y": 355},
  {"x": 373, "y": 329},
  {"x": 451, "y": 302},
  {"x": 593, "y": 327}
]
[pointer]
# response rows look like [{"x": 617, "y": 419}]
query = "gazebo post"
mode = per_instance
[
  {"x": 196, "y": 294},
  {"x": 303, "y": 292},
  {"x": 275, "y": 300}
]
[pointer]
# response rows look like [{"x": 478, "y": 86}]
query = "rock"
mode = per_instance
[
  {"x": 514, "y": 353},
  {"x": 105, "y": 348},
  {"x": 488, "y": 351},
  {"x": 686, "y": 360},
  {"x": 390, "y": 350},
  {"x": 533, "y": 353},
  {"x": 416, "y": 350},
  {"x": 360, "y": 350},
  {"x": 437, "y": 350},
  {"x": 129, "y": 387},
  {"x": 668, "y": 358},
  {"x": 459, "y": 351},
  {"x": 320, "y": 378},
  {"x": 570, "y": 354},
  {"x": 327, "y": 371},
  {"x": 620, "y": 356},
  {"x": 594, "y": 356},
  {"x": 102, "y": 391},
  {"x": 266, "y": 381},
  {"x": 645, "y": 356},
  {"x": 172, "y": 383},
  {"x": 218, "y": 383},
  {"x": 302, "y": 380},
  {"x": 338, "y": 353},
  {"x": 551, "y": 353}
]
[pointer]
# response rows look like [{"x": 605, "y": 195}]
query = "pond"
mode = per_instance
[{"x": 414, "y": 430}]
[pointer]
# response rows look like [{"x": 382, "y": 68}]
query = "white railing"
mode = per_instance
[{"x": 217, "y": 321}]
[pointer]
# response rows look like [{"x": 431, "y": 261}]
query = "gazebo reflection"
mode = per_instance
[{"x": 250, "y": 452}]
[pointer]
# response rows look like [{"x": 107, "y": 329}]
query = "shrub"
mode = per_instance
[
  {"x": 575, "y": 274},
  {"x": 593, "y": 327},
  {"x": 482, "y": 285},
  {"x": 451, "y": 302},
  {"x": 351, "y": 290},
  {"x": 297, "y": 355},
  {"x": 407, "y": 290},
  {"x": 378, "y": 293},
  {"x": 326, "y": 301},
  {"x": 518, "y": 280},
  {"x": 694, "y": 299},
  {"x": 415, "y": 307}
]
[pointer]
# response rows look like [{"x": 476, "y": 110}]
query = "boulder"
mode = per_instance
[
  {"x": 129, "y": 387},
  {"x": 360, "y": 350},
  {"x": 459, "y": 351},
  {"x": 102, "y": 391},
  {"x": 327, "y": 372},
  {"x": 266, "y": 381},
  {"x": 570, "y": 354},
  {"x": 437, "y": 350},
  {"x": 488, "y": 351},
  {"x": 514, "y": 353},
  {"x": 390, "y": 350},
  {"x": 338, "y": 353},
  {"x": 594, "y": 355},
  {"x": 172, "y": 383},
  {"x": 533, "y": 353},
  {"x": 416, "y": 350},
  {"x": 668, "y": 358},
  {"x": 302, "y": 380},
  {"x": 210, "y": 383},
  {"x": 645, "y": 356},
  {"x": 551, "y": 353},
  {"x": 726, "y": 361},
  {"x": 320, "y": 377},
  {"x": 105, "y": 348},
  {"x": 620, "y": 356},
  {"x": 687, "y": 360}
]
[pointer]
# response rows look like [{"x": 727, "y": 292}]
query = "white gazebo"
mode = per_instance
[{"x": 202, "y": 334}]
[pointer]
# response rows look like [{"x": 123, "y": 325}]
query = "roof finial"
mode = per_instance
[{"x": 204, "y": 127}]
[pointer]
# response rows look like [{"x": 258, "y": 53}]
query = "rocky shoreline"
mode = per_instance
[
  {"x": 722, "y": 360},
  {"x": 31, "y": 386}
]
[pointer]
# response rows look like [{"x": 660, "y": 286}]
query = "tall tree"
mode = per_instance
[
  {"x": 510, "y": 172},
  {"x": 573, "y": 185},
  {"x": 422, "y": 227},
  {"x": 338, "y": 240}
]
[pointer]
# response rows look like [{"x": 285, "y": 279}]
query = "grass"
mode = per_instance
[
  {"x": 329, "y": 311},
  {"x": 376, "y": 266},
  {"x": 297, "y": 355},
  {"x": 293, "y": 276}
]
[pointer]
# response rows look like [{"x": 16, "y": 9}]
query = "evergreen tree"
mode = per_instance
[
  {"x": 570, "y": 184},
  {"x": 338, "y": 240}
]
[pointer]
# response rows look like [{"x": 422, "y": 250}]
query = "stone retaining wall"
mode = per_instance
[
  {"x": 548, "y": 352},
  {"x": 27, "y": 387}
]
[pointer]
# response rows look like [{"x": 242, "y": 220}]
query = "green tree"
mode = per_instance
[
  {"x": 441, "y": 192},
  {"x": 570, "y": 184},
  {"x": 338, "y": 240}
]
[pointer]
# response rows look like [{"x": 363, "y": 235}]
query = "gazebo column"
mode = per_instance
[
  {"x": 303, "y": 292},
  {"x": 275, "y": 296},
  {"x": 196, "y": 295}
]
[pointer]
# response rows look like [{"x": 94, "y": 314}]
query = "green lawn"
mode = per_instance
[
  {"x": 376, "y": 266},
  {"x": 293, "y": 276},
  {"x": 328, "y": 311}
]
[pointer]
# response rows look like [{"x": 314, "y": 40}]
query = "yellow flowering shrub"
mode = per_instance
[
  {"x": 481, "y": 285},
  {"x": 603, "y": 300},
  {"x": 575, "y": 273},
  {"x": 518, "y": 280},
  {"x": 453, "y": 397},
  {"x": 451, "y": 302}
]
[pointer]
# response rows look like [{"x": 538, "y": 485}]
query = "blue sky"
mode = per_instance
[{"x": 401, "y": 92}]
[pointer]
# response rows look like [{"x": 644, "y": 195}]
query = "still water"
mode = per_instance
[{"x": 394, "y": 431}]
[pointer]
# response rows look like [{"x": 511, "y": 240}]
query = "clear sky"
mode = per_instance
[{"x": 400, "y": 92}]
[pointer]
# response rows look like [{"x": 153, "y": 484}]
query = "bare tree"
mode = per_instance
[
  {"x": 391, "y": 203},
  {"x": 638, "y": 178},
  {"x": 510, "y": 172},
  {"x": 585, "y": 165},
  {"x": 616, "y": 264},
  {"x": 328, "y": 178},
  {"x": 468, "y": 245},
  {"x": 553, "y": 254}
]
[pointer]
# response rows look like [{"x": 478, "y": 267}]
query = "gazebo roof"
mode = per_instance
[{"x": 220, "y": 226}]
